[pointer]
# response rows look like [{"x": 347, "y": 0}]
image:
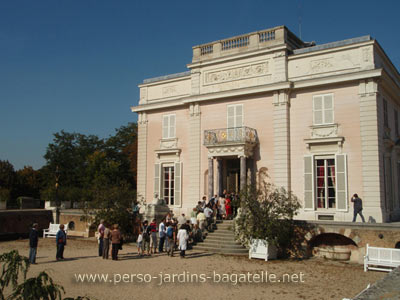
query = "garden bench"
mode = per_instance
[
  {"x": 53, "y": 229},
  {"x": 381, "y": 259}
]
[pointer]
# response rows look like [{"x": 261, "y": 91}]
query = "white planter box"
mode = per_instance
[{"x": 261, "y": 249}]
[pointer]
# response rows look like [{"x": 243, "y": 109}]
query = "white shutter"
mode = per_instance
[
  {"x": 165, "y": 127},
  {"x": 157, "y": 180},
  {"x": 239, "y": 115},
  {"x": 317, "y": 108},
  {"x": 328, "y": 109},
  {"x": 341, "y": 182},
  {"x": 231, "y": 116},
  {"x": 171, "y": 126},
  {"x": 178, "y": 184},
  {"x": 309, "y": 182}
]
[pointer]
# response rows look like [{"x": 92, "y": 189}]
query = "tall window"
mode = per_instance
[
  {"x": 385, "y": 114},
  {"x": 235, "y": 122},
  {"x": 323, "y": 109},
  {"x": 396, "y": 122},
  {"x": 168, "y": 185},
  {"x": 325, "y": 183},
  {"x": 235, "y": 116},
  {"x": 168, "y": 126}
]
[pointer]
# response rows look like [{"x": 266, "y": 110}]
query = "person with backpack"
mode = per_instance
[
  {"x": 170, "y": 239},
  {"x": 146, "y": 237}
]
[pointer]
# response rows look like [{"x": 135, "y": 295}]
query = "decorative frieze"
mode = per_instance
[
  {"x": 240, "y": 150},
  {"x": 168, "y": 144},
  {"x": 324, "y": 131},
  {"x": 169, "y": 91},
  {"x": 237, "y": 73}
]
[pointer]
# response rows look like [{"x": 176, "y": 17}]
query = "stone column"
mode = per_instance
[
  {"x": 219, "y": 176},
  {"x": 210, "y": 177},
  {"x": 142, "y": 158},
  {"x": 243, "y": 173},
  {"x": 282, "y": 139}
]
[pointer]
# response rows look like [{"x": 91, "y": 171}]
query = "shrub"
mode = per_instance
[{"x": 267, "y": 213}]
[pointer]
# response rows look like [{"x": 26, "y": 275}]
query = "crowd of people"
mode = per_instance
[{"x": 172, "y": 233}]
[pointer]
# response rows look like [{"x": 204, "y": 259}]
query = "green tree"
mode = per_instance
[
  {"x": 28, "y": 182},
  {"x": 41, "y": 287},
  {"x": 267, "y": 213},
  {"x": 7, "y": 175}
]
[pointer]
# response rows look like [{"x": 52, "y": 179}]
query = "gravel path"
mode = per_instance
[{"x": 199, "y": 276}]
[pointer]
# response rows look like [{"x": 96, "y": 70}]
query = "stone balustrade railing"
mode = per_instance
[
  {"x": 236, "y": 135},
  {"x": 249, "y": 42}
]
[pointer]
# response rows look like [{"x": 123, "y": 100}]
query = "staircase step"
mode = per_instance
[{"x": 242, "y": 251}]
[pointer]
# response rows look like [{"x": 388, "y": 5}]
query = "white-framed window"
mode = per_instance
[
  {"x": 168, "y": 186},
  {"x": 235, "y": 115},
  {"x": 168, "y": 182},
  {"x": 168, "y": 126},
  {"x": 325, "y": 182},
  {"x": 323, "y": 109}
]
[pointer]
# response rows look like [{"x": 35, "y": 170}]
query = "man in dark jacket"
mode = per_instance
[
  {"x": 357, "y": 207},
  {"x": 33, "y": 243}
]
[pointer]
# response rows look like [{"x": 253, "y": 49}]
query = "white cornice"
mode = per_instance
[
  {"x": 337, "y": 78},
  {"x": 329, "y": 50},
  {"x": 312, "y": 82}
]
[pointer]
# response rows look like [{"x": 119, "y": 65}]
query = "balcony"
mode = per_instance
[{"x": 230, "y": 136}]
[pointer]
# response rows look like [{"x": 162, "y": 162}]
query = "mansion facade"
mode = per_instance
[{"x": 319, "y": 120}]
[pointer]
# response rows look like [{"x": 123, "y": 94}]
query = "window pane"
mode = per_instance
[
  {"x": 328, "y": 116},
  {"x": 318, "y": 103},
  {"x": 318, "y": 117},
  {"x": 328, "y": 103}
]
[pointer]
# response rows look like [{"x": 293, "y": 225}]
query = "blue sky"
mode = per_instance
[{"x": 74, "y": 65}]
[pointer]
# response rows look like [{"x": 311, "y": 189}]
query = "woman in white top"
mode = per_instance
[
  {"x": 182, "y": 238},
  {"x": 222, "y": 209}
]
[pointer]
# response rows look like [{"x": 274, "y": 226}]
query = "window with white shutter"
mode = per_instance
[
  {"x": 308, "y": 182},
  {"x": 168, "y": 130},
  {"x": 341, "y": 182},
  {"x": 323, "y": 109}
]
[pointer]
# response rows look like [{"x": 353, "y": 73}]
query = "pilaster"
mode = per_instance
[
  {"x": 142, "y": 157},
  {"x": 372, "y": 162},
  {"x": 282, "y": 139},
  {"x": 193, "y": 171}
]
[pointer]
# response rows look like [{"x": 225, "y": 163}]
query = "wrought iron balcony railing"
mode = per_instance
[{"x": 236, "y": 135}]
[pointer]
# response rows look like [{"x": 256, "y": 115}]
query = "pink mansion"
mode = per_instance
[{"x": 319, "y": 120}]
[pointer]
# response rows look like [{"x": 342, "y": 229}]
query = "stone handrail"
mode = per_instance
[
  {"x": 235, "y": 135},
  {"x": 251, "y": 41}
]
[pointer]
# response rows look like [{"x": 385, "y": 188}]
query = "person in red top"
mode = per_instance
[
  {"x": 228, "y": 207},
  {"x": 153, "y": 241}
]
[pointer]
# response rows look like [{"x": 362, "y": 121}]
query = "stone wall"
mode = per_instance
[{"x": 17, "y": 223}]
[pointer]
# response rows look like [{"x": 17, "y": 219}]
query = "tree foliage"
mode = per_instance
[
  {"x": 41, "y": 287},
  {"x": 267, "y": 213}
]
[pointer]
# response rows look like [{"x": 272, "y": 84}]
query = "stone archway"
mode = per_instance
[{"x": 332, "y": 246}]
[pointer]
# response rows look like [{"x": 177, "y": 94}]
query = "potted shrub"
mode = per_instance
[{"x": 265, "y": 220}]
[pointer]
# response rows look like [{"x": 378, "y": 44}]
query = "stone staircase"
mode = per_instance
[{"x": 222, "y": 241}]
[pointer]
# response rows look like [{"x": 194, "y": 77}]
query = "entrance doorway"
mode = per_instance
[{"x": 231, "y": 177}]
